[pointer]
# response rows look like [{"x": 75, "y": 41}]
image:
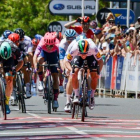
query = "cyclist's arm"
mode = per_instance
[
  {"x": 37, "y": 52},
  {"x": 96, "y": 54},
  {"x": 67, "y": 25},
  {"x": 62, "y": 53},
  {"x": 19, "y": 65},
  {"x": 20, "y": 60}
]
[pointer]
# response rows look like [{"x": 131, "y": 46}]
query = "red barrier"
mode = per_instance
[{"x": 114, "y": 69}]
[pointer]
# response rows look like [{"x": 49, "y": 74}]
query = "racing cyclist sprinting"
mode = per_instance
[
  {"x": 84, "y": 50},
  {"x": 47, "y": 50},
  {"x": 10, "y": 56}
]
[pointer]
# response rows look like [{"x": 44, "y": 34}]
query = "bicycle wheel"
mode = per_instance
[
  {"x": 73, "y": 111},
  {"x": 21, "y": 92},
  {"x": 84, "y": 100},
  {"x": 3, "y": 98},
  {"x": 48, "y": 84}
]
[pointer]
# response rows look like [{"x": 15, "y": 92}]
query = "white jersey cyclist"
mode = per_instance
[
  {"x": 74, "y": 51},
  {"x": 26, "y": 45}
]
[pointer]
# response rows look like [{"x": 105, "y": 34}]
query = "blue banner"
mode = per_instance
[
  {"x": 108, "y": 73},
  {"x": 121, "y": 16},
  {"x": 120, "y": 60}
]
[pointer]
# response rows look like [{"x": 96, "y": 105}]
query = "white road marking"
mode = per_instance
[
  {"x": 67, "y": 131},
  {"x": 81, "y": 132}
]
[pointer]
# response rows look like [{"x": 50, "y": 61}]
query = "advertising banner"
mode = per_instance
[
  {"x": 132, "y": 75},
  {"x": 108, "y": 73},
  {"x": 120, "y": 60},
  {"x": 124, "y": 71},
  {"x": 121, "y": 16},
  {"x": 114, "y": 69},
  {"x": 138, "y": 76},
  {"x": 72, "y": 7}
]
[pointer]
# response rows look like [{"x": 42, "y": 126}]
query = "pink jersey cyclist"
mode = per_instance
[{"x": 42, "y": 46}]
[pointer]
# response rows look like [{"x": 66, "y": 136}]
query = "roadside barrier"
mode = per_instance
[{"x": 119, "y": 74}]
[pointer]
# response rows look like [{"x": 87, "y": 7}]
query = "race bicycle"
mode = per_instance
[
  {"x": 83, "y": 87},
  {"x": 48, "y": 86},
  {"x": 20, "y": 92}
]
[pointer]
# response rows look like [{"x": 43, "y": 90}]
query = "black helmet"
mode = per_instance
[{"x": 20, "y": 32}]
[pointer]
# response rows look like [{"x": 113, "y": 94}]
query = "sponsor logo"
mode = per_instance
[
  {"x": 98, "y": 55},
  {"x": 118, "y": 15},
  {"x": 58, "y": 6},
  {"x": 69, "y": 57},
  {"x": 79, "y": 7}
]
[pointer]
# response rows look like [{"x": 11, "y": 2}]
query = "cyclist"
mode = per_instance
[
  {"x": 70, "y": 35},
  {"x": 9, "y": 56},
  {"x": 69, "y": 88},
  {"x": 59, "y": 36},
  {"x": 84, "y": 29},
  {"x": 38, "y": 36},
  {"x": 26, "y": 48},
  {"x": 5, "y": 34},
  {"x": 47, "y": 50},
  {"x": 61, "y": 90},
  {"x": 84, "y": 50},
  {"x": 35, "y": 42},
  {"x": 15, "y": 39}
]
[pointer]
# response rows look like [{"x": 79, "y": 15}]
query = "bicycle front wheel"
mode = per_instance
[
  {"x": 2, "y": 99},
  {"x": 48, "y": 84},
  {"x": 21, "y": 92},
  {"x": 84, "y": 100}
]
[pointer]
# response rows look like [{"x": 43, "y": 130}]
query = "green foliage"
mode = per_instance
[{"x": 32, "y": 16}]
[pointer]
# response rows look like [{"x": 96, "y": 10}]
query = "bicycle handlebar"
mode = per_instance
[
  {"x": 85, "y": 66},
  {"x": 46, "y": 65}
]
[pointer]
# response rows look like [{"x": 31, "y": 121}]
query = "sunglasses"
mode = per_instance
[
  {"x": 138, "y": 20},
  {"x": 70, "y": 38},
  {"x": 111, "y": 22},
  {"x": 85, "y": 23}
]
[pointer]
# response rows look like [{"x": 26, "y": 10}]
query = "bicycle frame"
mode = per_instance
[{"x": 48, "y": 85}]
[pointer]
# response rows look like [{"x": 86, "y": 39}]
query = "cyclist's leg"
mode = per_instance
[
  {"x": 78, "y": 61},
  {"x": 69, "y": 90},
  {"x": 42, "y": 57},
  {"x": 27, "y": 78},
  {"x": 92, "y": 63},
  {"x": 61, "y": 78},
  {"x": 53, "y": 59}
]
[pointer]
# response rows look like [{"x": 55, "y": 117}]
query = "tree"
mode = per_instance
[{"x": 32, "y": 16}]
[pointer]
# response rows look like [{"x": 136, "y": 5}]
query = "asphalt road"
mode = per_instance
[{"x": 112, "y": 119}]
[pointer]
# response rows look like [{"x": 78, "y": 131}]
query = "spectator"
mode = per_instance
[
  {"x": 138, "y": 21},
  {"x": 93, "y": 25},
  {"x": 83, "y": 28},
  {"x": 110, "y": 21}
]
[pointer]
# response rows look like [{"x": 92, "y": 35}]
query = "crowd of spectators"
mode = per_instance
[{"x": 114, "y": 39}]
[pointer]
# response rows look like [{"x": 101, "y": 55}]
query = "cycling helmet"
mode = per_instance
[
  {"x": 83, "y": 46},
  {"x": 70, "y": 33},
  {"x": 20, "y": 32},
  {"x": 14, "y": 37},
  {"x": 38, "y": 37},
  {"x": 6, "y": 33},
  {"x": 35, "y": 42},
  {"x": 86, "y": 19},
  {"x": 5, "y": 50},
  {"x": 50, "y": 38},
  {"x": 59, "y": 36},
  {"x": 81, "y": 37}
]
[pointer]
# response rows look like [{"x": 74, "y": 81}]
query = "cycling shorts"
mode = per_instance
[
  {"x": 51, "y": 58},
  {"x": 91, "y": 62}
]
